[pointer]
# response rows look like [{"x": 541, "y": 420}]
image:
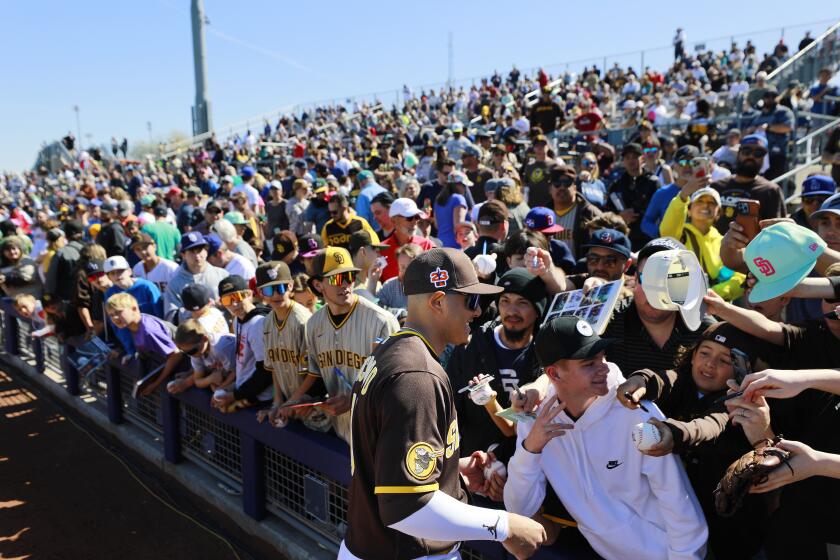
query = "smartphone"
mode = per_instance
[
  {"x": 701, "y": 166},
  {"x": 381, "y": 261},
  {"x": 746, "y": 215},
  {"x": 740, "y": 364}
]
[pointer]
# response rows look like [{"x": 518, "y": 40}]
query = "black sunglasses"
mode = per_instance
[{"x": 563, "y": 182}]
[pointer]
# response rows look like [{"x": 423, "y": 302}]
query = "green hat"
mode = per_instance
[
  {"x": 147, "y": 200},
  {"x": 780, "y": 257},
  {"x": 236, "y": 218}
]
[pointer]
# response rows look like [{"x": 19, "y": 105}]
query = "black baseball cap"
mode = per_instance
[
  {"x": 94, "y": 268},
  {"x": 733, "y": 338},
  {"x": 568, "y": 338},
  {"x": 521, "y": 282},
  {"x": 610, "y": 239},
  {"x": 233, "y": 283},
  {"x": 361, "y": 238},
  {"x": 308, "y": 245},
  {"x": 659, "y": 244},
  {"x": 273, "y": 273},
  {"x": 73, "y": 227},
  {"x": 444, "y": 270},
  {"x": 195, "y": 296},
  {"x": 632, "y": 148}
]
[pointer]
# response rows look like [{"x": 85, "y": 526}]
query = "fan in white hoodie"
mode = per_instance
[{"x": 626, "y": 504}]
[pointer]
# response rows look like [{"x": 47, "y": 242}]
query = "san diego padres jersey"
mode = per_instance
[
  {"x": 405, "y": 447},
  {"x": 285, "y": 348},
  {"x": 336, "y": 352}
]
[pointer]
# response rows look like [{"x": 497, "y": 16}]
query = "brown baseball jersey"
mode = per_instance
[
  {"x": 285, "y": 348},
  {"x": 343, "y": 347},
  {"x": 404, "y": 448}
]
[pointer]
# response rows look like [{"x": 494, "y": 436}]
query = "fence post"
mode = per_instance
[
  {"x": 253, "y": 476},
  {"x": 71, "y": 374},
  {"x": 115, "y": 409},
  {"x": 171, "y": 408},
  {"x": 38, "y": 350},
  {"x": 11, "y": 328}
]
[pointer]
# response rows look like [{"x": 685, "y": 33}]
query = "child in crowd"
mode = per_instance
[
  {"x": 253, "y": 383},
  {"x": 151, "y": 337},
  {"x": 212, "y": 357}
]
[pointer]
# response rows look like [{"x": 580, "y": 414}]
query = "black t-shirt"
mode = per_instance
[
  {"x": 405, "y": 447},
  {"x": 545, "y": 114},
  {"x": 636, "y": 349},
  {"x": 535, "y": 177},
  {"x": 479, "y": 177},
  {"x": 808, "y": 346},
  {"x": 768, "y": 194}
]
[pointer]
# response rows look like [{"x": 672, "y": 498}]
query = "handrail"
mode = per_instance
[
  {"x": 790, "y": 174},
  {"x": 818, "y": 131},
  {"x": 812, "y": 45}
]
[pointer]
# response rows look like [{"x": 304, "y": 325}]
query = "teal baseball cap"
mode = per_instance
[
  {"x": 780, "y": 257},
  {"x": 236, "y": 218}
]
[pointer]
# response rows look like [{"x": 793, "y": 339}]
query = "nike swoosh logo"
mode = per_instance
[{"x": 613, "y": 464}]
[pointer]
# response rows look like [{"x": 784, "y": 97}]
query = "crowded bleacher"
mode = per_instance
[{"x": 264, "y": 267}]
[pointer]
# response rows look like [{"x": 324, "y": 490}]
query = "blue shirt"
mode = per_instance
[
  {"x": 445, "y": 223},
  {"x": 780, "y": 115},
  {"x": 823, "y": 107},
  {"x": 656, "y": 209},
  {"x": 363, "y": 202}
]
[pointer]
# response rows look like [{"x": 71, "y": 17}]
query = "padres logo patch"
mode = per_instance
[
  {"x": 421, "y": 460},
  {"x": 339, "y": 258}
]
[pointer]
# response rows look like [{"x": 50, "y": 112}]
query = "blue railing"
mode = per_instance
[{"x": 296, "y": 474}]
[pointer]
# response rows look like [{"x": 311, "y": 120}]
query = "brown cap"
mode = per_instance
[
  {"x": 491, "y": 213},
  {"x": 273, "y": 273},
  {"x": 560, "y": 170},
  {"x": 444, "y": 270},
  {"x": 141, "y": 239}
]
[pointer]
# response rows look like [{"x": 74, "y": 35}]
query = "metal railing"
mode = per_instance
[
  {"x": 805, "y": 64},
  {"x": 295, "y": 474}
]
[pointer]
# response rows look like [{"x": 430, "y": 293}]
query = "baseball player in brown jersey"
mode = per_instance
[
  {"x": 407, "y": 496},
  {"x": 284, "y": 338},
  {"x": 340, "y": 335}
]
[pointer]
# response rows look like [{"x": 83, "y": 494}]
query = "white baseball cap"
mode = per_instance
[
  {"x": 406, "y": 208},
  {"x": 673, "y": 280},
  {"x": 116, "y": 263},
  {"x": 706, "y": 191}
]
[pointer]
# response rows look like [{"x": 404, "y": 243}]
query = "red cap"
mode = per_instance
[{"x": 174, "y": 191}]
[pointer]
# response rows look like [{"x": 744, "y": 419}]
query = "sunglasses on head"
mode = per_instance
[
  {"x": 651, "y": 150},
  {"x": 341, "y": 278},
  {"x": 268, "y": 291},
  {"x": 235, "y": 297}
]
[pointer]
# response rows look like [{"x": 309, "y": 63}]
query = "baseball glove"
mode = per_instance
[{"x": 751, "y": 468}]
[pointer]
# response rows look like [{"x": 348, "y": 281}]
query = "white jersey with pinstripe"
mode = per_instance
[
  {"x": 343, "y": 348},
  {"x": 285, "y": 348}
]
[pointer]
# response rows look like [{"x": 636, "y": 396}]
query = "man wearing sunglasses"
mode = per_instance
[
  {"x": 630, "y": 195},
  {"x": 662, "y": 198},
  {"x": 570, "y": 207},
  {"x": 777, "y": 120},
  {"x": 340, "y": 335},
  {"x": 406, "y": 492},
  {"x": 342, "y": 223},
  {"x": 747, "y": 183},
  {"x": 284, "y": 338}
]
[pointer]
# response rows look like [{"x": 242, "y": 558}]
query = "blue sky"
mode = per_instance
[{"x": 130, "y": 62}]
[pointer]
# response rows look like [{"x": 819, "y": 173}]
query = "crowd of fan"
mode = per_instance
[{"x": 203, "y": 257}]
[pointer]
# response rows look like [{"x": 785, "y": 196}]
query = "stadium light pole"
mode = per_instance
[
  {"x": 201, "y": 119},
  {"x": 78, "y": 127}
]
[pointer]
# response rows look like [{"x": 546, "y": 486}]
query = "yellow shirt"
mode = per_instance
[{"x": 705, "y": 246}]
